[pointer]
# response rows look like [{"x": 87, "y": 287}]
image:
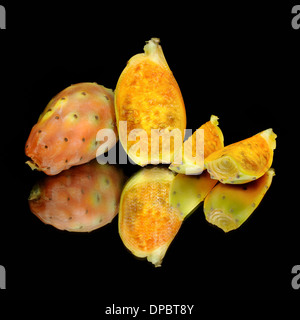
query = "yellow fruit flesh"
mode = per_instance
[
  {"x": 147, "y": 222},
  {"x": 148, "y": 97},
  {"x": 243, "y": 161},
  {"x": 193, "y": 156}
]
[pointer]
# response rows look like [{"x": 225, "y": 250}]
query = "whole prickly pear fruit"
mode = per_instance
[
  {"x": 83, "y": 198},
  {"x": 65, "y": 134},
  {"x": 147, "y": 222}
]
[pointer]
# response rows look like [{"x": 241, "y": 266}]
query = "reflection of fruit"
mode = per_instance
[
  {"x": 213, "y": 141},
  {"x": 149, "y": 114},
  {"x": 82, "y": 198},
  {"x": 229, "y": 206},
  {"x": 147, "y": 223},
  {"x": 187, "y": 192},
  {"x": 243, "y": 161},
  {"x": 65, "y": 134},
  {"x": 147, "y": 96}
]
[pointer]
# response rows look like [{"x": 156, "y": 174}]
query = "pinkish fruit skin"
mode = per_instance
[
  {"x": 65, "y": 134},
  {"x": 81, "y": 199}
]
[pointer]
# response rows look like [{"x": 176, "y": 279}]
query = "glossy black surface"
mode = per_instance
[{"x": 238, "y": 62}]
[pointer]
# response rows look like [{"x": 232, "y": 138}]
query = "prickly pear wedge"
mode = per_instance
[
  {"x": 243, "y": 161},
  {"x": 192, "y": 157},
  {"x": 148, "y": 97},
  {"x": 83, "y": 198},
  {"x": 229, "y": 206},
  {"x": 65, "y": 134},
  {"x": 147, "y": 223},
  {"x": 187, "y": 192}
]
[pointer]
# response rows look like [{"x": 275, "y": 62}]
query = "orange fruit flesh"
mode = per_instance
[
  {"x": 148, "y": 97},
  {"x": 213, "y": 140},
  {"x": 243, "y": 161},
  {"x": 258, "y": 152},
  {"x": 148, "y": 221}
]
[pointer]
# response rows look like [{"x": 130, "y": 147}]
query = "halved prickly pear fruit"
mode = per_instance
[
  {"x": 65, "y": 134},
  {"x": 147, "y": 222},
  {"x": 243, "y": 161},
  {"x": 193, "y": 153},
  {"x": 83, "y": 198},
  {"x": 148, "y": 101},
  {"x": 187, "y": 192},
  {"x": 229, "y": 206}
]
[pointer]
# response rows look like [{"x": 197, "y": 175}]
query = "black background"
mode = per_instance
[{"x": 237, "y": 61}]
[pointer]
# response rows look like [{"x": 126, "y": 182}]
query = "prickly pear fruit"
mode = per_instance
[
  {"x": 65, "y": 134},
  {"x": 147, "y": 222},
  {"x": 83, "y": 198},
  {"x": 148, "y": 97},
  {"x": 243, "y": 161},
  {"x": 229, "y": 206},
  {"x": 187, "y": 192},
  {"x": 192, "y": 159}
]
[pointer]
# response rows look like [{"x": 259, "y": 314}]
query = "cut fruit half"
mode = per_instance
[
  {"x": 187, "y": 192},
  {"x": 229, "y": 206},
  {"x": 198, "y": 147},
  {"x": 243, "y": 161},
  {"x": 147, "y": 222},
  {"x": 148, "y": 98}
]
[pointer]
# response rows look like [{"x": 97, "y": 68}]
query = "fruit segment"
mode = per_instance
[
  {"x": 198, "y": 147},
  {"x": 65, "y": 134},
  {"x": 147, "y": 222},
  {"x": 243, "y": 161},
  {"x": 149, "y": 101},
  {"x": 187, "y": 192},
  {"x": 81, "y": 199},
  {"x": 229, "y": 206}
]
